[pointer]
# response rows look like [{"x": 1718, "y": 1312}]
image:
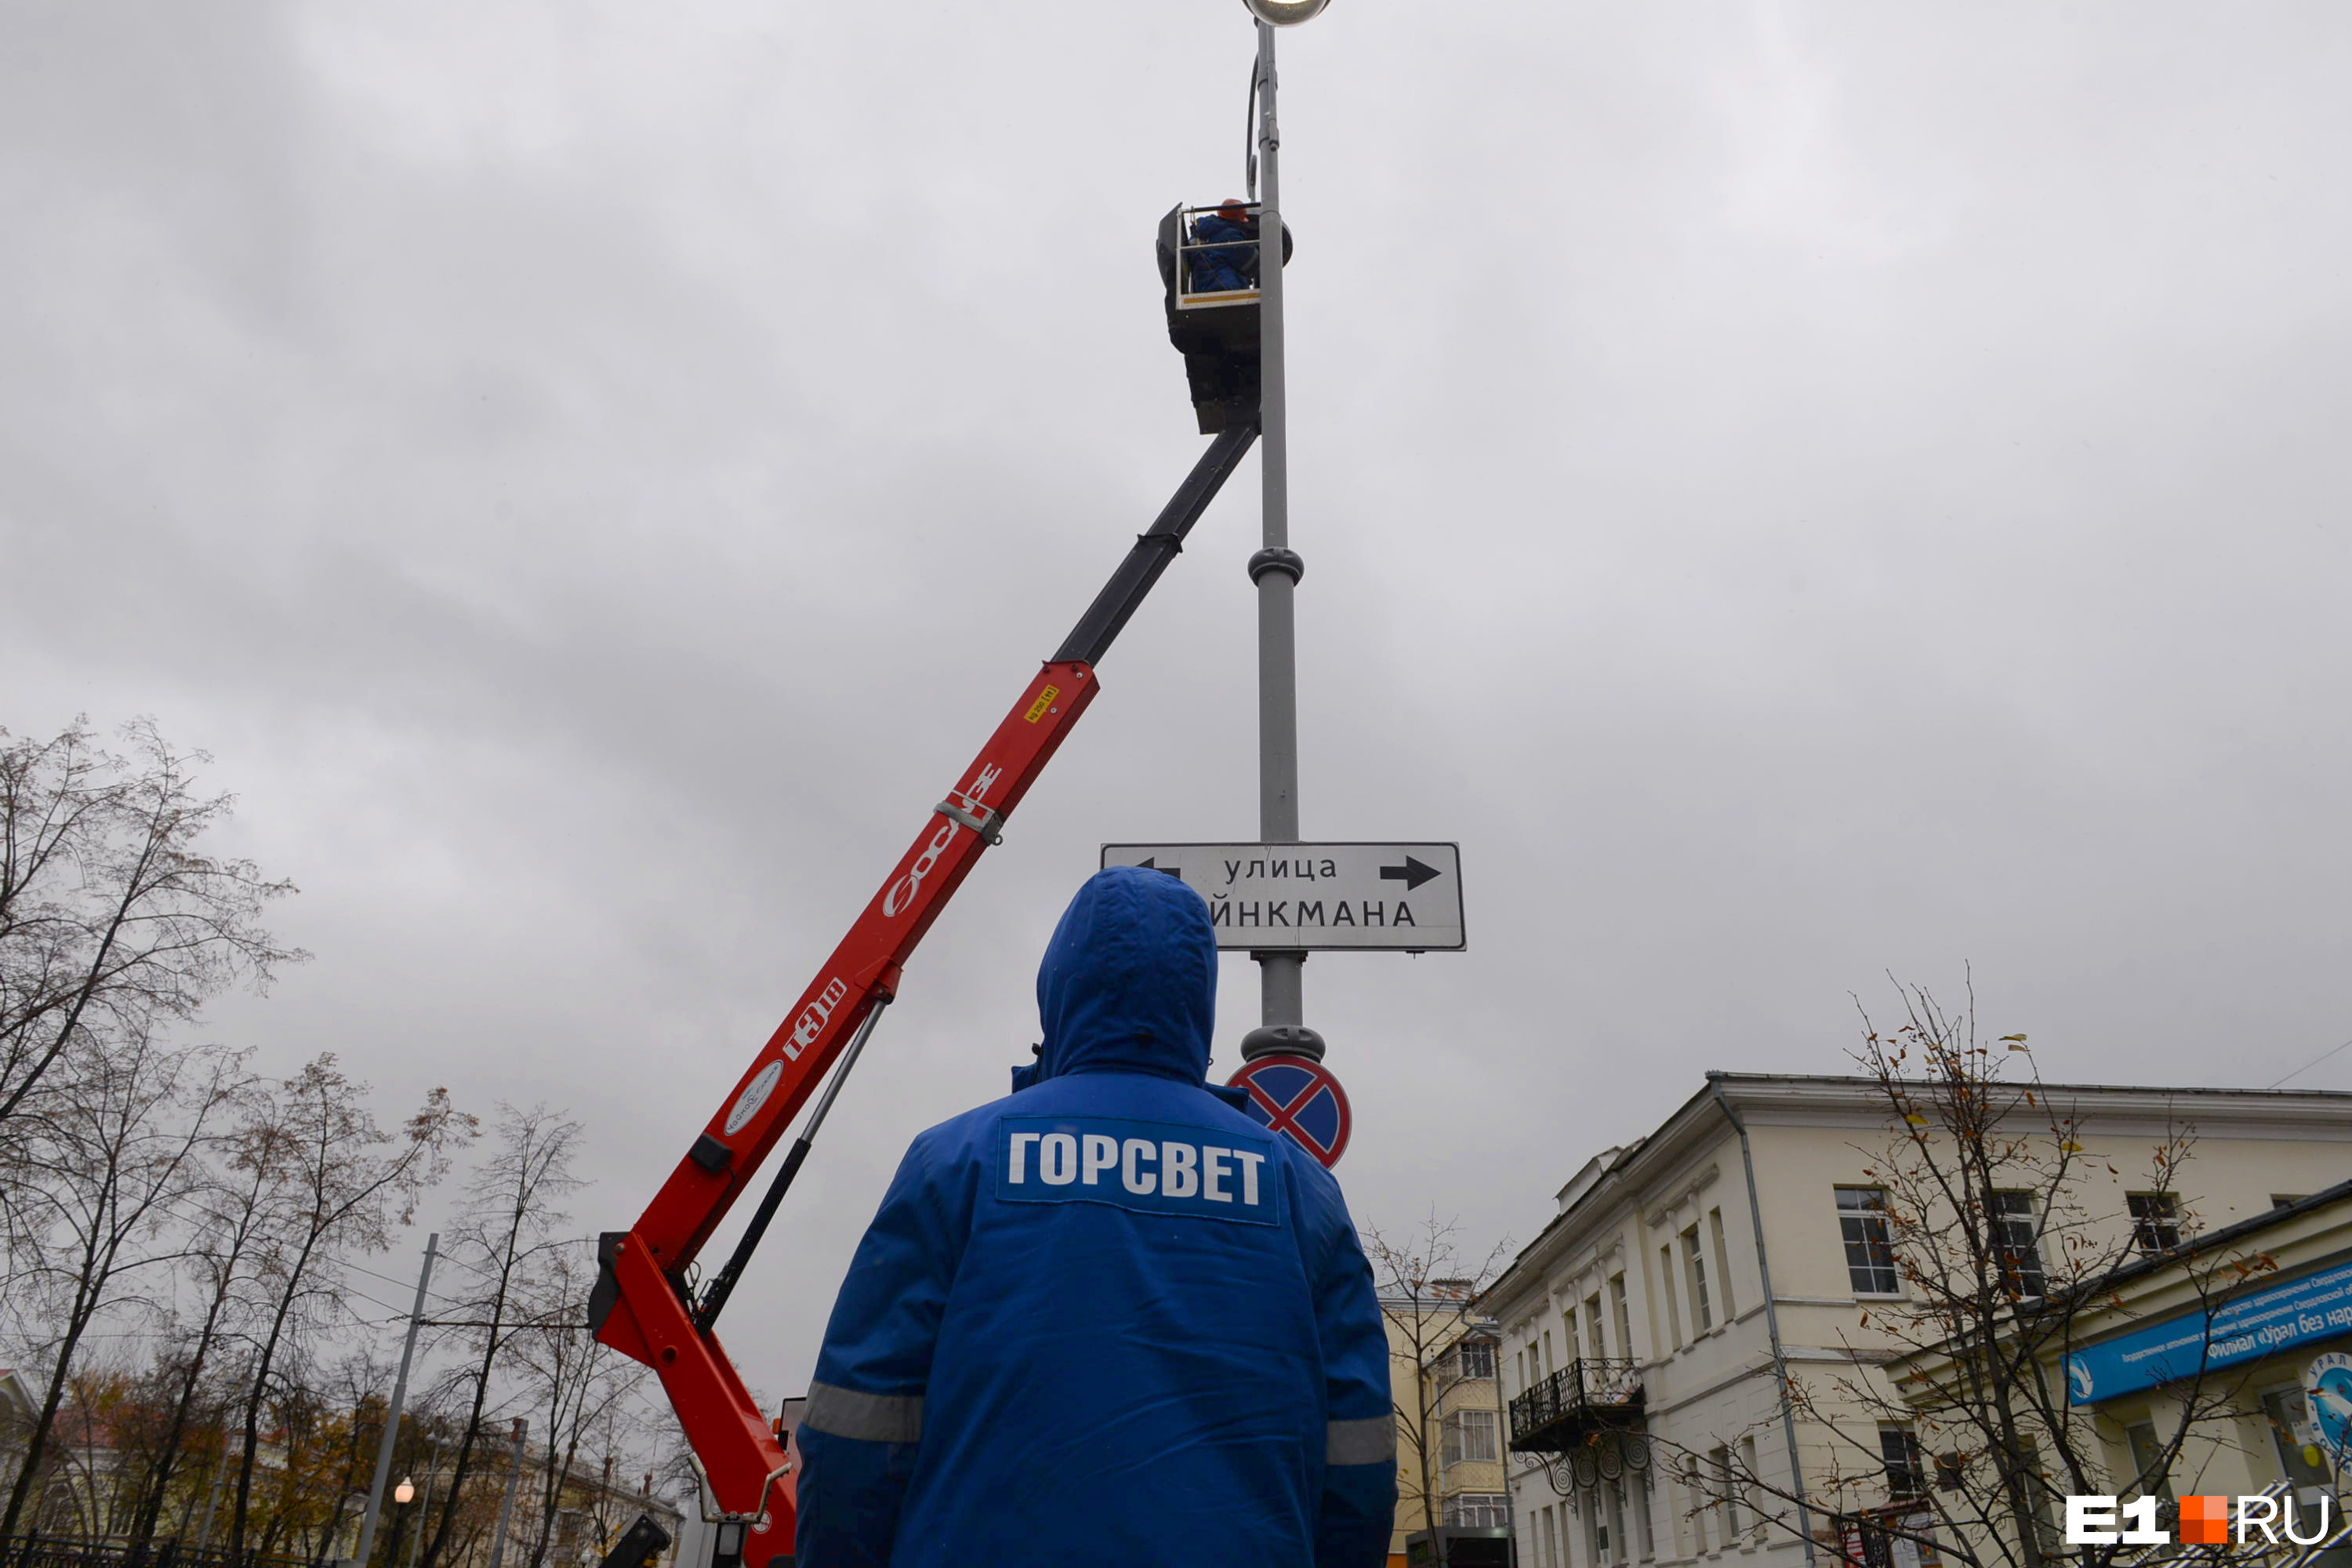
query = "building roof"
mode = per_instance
[
  {"x": 2086, "y": 1297},
  {"x": 1602, "y": 1177},
  {"x": 2229, "y": 1234}
]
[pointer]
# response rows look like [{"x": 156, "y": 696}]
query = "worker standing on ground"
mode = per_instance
[{"x": 1108, "y": 1319}]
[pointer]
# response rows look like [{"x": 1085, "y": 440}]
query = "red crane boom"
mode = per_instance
[{"x": 643, "y": 1305}]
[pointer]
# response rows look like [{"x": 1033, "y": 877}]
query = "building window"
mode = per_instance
[
  {"x": 1694, "y": 1280},
  {"x": 1906, "y": 1476},
  {"x": 2156, "y": 1220},
  {"x": 1667, "y": 1289},
  {"x": 1550, "y": 1541},
  {"x": 1645, "y": 1540},
  {"x": 1722, "y": 1265},
  {"x": 2151, "y": 1476},
  {"x": 2306, "y": 1469},
  {"x": 1869, "y": 1248},
  {"x": 1695, "y": 1504},
  {"x": 2018, "y": 1245},
  {"x": 1470, "y": 1436},
  {"x": 2038, "y": 1484},
  {"x": 1624, "y": 1316},
  {"x": 1726, "y": 1494},
  {"x": 1475, "y": 1359},
  {"x": 1479, "y": 1510},
  {"x": 1596, "y": 1342},
  {"x": 1596, "y": 1528}
]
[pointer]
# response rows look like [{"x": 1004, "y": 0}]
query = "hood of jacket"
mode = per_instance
[{"x": 1129, "y": 981}]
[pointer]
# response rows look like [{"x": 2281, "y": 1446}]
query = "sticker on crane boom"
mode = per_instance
[
  {"x": 812, "y": 1021},
  {"x": 1044, "y": 705},
  {"x": 901, "y": 893},
  {"x": 755, "y": 1095}
]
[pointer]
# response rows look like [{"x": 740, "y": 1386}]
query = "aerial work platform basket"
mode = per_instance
[{"x": 1209, "y": 273}]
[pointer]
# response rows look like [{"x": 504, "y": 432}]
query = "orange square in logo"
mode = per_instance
[{"x": 2204, "y": 1521}]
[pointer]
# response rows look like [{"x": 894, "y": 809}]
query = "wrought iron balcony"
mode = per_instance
[{"x": 1583, "y": 1396}]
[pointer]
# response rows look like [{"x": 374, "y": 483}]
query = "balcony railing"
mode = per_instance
[{"x": 1580, "y": 1397}]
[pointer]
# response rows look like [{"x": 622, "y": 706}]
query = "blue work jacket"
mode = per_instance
[
  {"x": 1230, "y": 264},
  {"x": 1108, "y": 1319}
]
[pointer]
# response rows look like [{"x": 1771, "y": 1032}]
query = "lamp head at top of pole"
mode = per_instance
[{"x": 1285, "y": 13}]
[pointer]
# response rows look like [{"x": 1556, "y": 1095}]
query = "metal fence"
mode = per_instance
[
  {"x": 1584, "y": 1388},
  {"x": 39, "y": 1550}
]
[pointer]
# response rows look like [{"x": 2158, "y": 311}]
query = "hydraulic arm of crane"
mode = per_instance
[{"x": 643, "y": 1305}]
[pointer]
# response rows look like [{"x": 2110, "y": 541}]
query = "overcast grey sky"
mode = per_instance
[{"x": 1799, "y": 492}]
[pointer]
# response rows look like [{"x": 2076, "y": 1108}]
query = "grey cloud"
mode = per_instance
[{"x": 1798, "y": 491}]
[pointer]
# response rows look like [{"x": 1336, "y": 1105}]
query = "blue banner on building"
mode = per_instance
[{"x": 2299, "y": 1311}]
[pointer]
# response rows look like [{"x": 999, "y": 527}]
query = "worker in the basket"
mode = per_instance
[
  {"x": 1227, "y": 264},
  {"x": 1108, "y": 1319}
]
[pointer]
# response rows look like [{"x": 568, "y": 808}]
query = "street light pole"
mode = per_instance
[
  {"x": 390, "y": 1438},
  {"x": 1276, "y": 570},
  {"x": 220, "y": 1474},
  {"x": 402, "y": 1495},
  {"x": 416, "y": 1536},
  {"x": 505, "y": 1505}
]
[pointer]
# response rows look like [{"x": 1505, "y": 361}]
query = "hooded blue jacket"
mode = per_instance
[{"x": 1109, "y": 1319}]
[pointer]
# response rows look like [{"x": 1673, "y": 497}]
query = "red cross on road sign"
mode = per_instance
[{"x": 1299, "y": 1099}]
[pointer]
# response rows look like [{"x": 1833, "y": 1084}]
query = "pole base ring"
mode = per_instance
[
  {"x": 1282, "y": 1039},
  {"x": 1274, "y": 558}
]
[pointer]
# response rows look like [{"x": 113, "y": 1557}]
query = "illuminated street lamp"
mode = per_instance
[
  {"x": 406, "y": 1492},
  {"x": 417, "y": 1535},
  {"x": 1285, "y": 13}
]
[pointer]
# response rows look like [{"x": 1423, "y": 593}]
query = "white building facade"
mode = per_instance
[{"x": 1646, "y": 1330}]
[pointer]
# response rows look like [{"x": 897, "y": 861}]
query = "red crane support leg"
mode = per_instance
[{"x": 739, "y": 1451}]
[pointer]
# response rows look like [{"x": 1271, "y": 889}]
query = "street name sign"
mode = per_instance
[{"x": 1277, "y": 898}]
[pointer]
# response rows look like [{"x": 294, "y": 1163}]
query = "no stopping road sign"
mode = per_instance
[{"x": 1300, "y": 1099}]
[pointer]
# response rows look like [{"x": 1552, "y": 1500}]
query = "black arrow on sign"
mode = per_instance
[
  {"x": 1164, "y": 870},
  {"x": 1412, "y": 873}
]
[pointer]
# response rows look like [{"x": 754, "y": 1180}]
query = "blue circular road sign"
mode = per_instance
[{"x": 1300, "y": 1099}]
